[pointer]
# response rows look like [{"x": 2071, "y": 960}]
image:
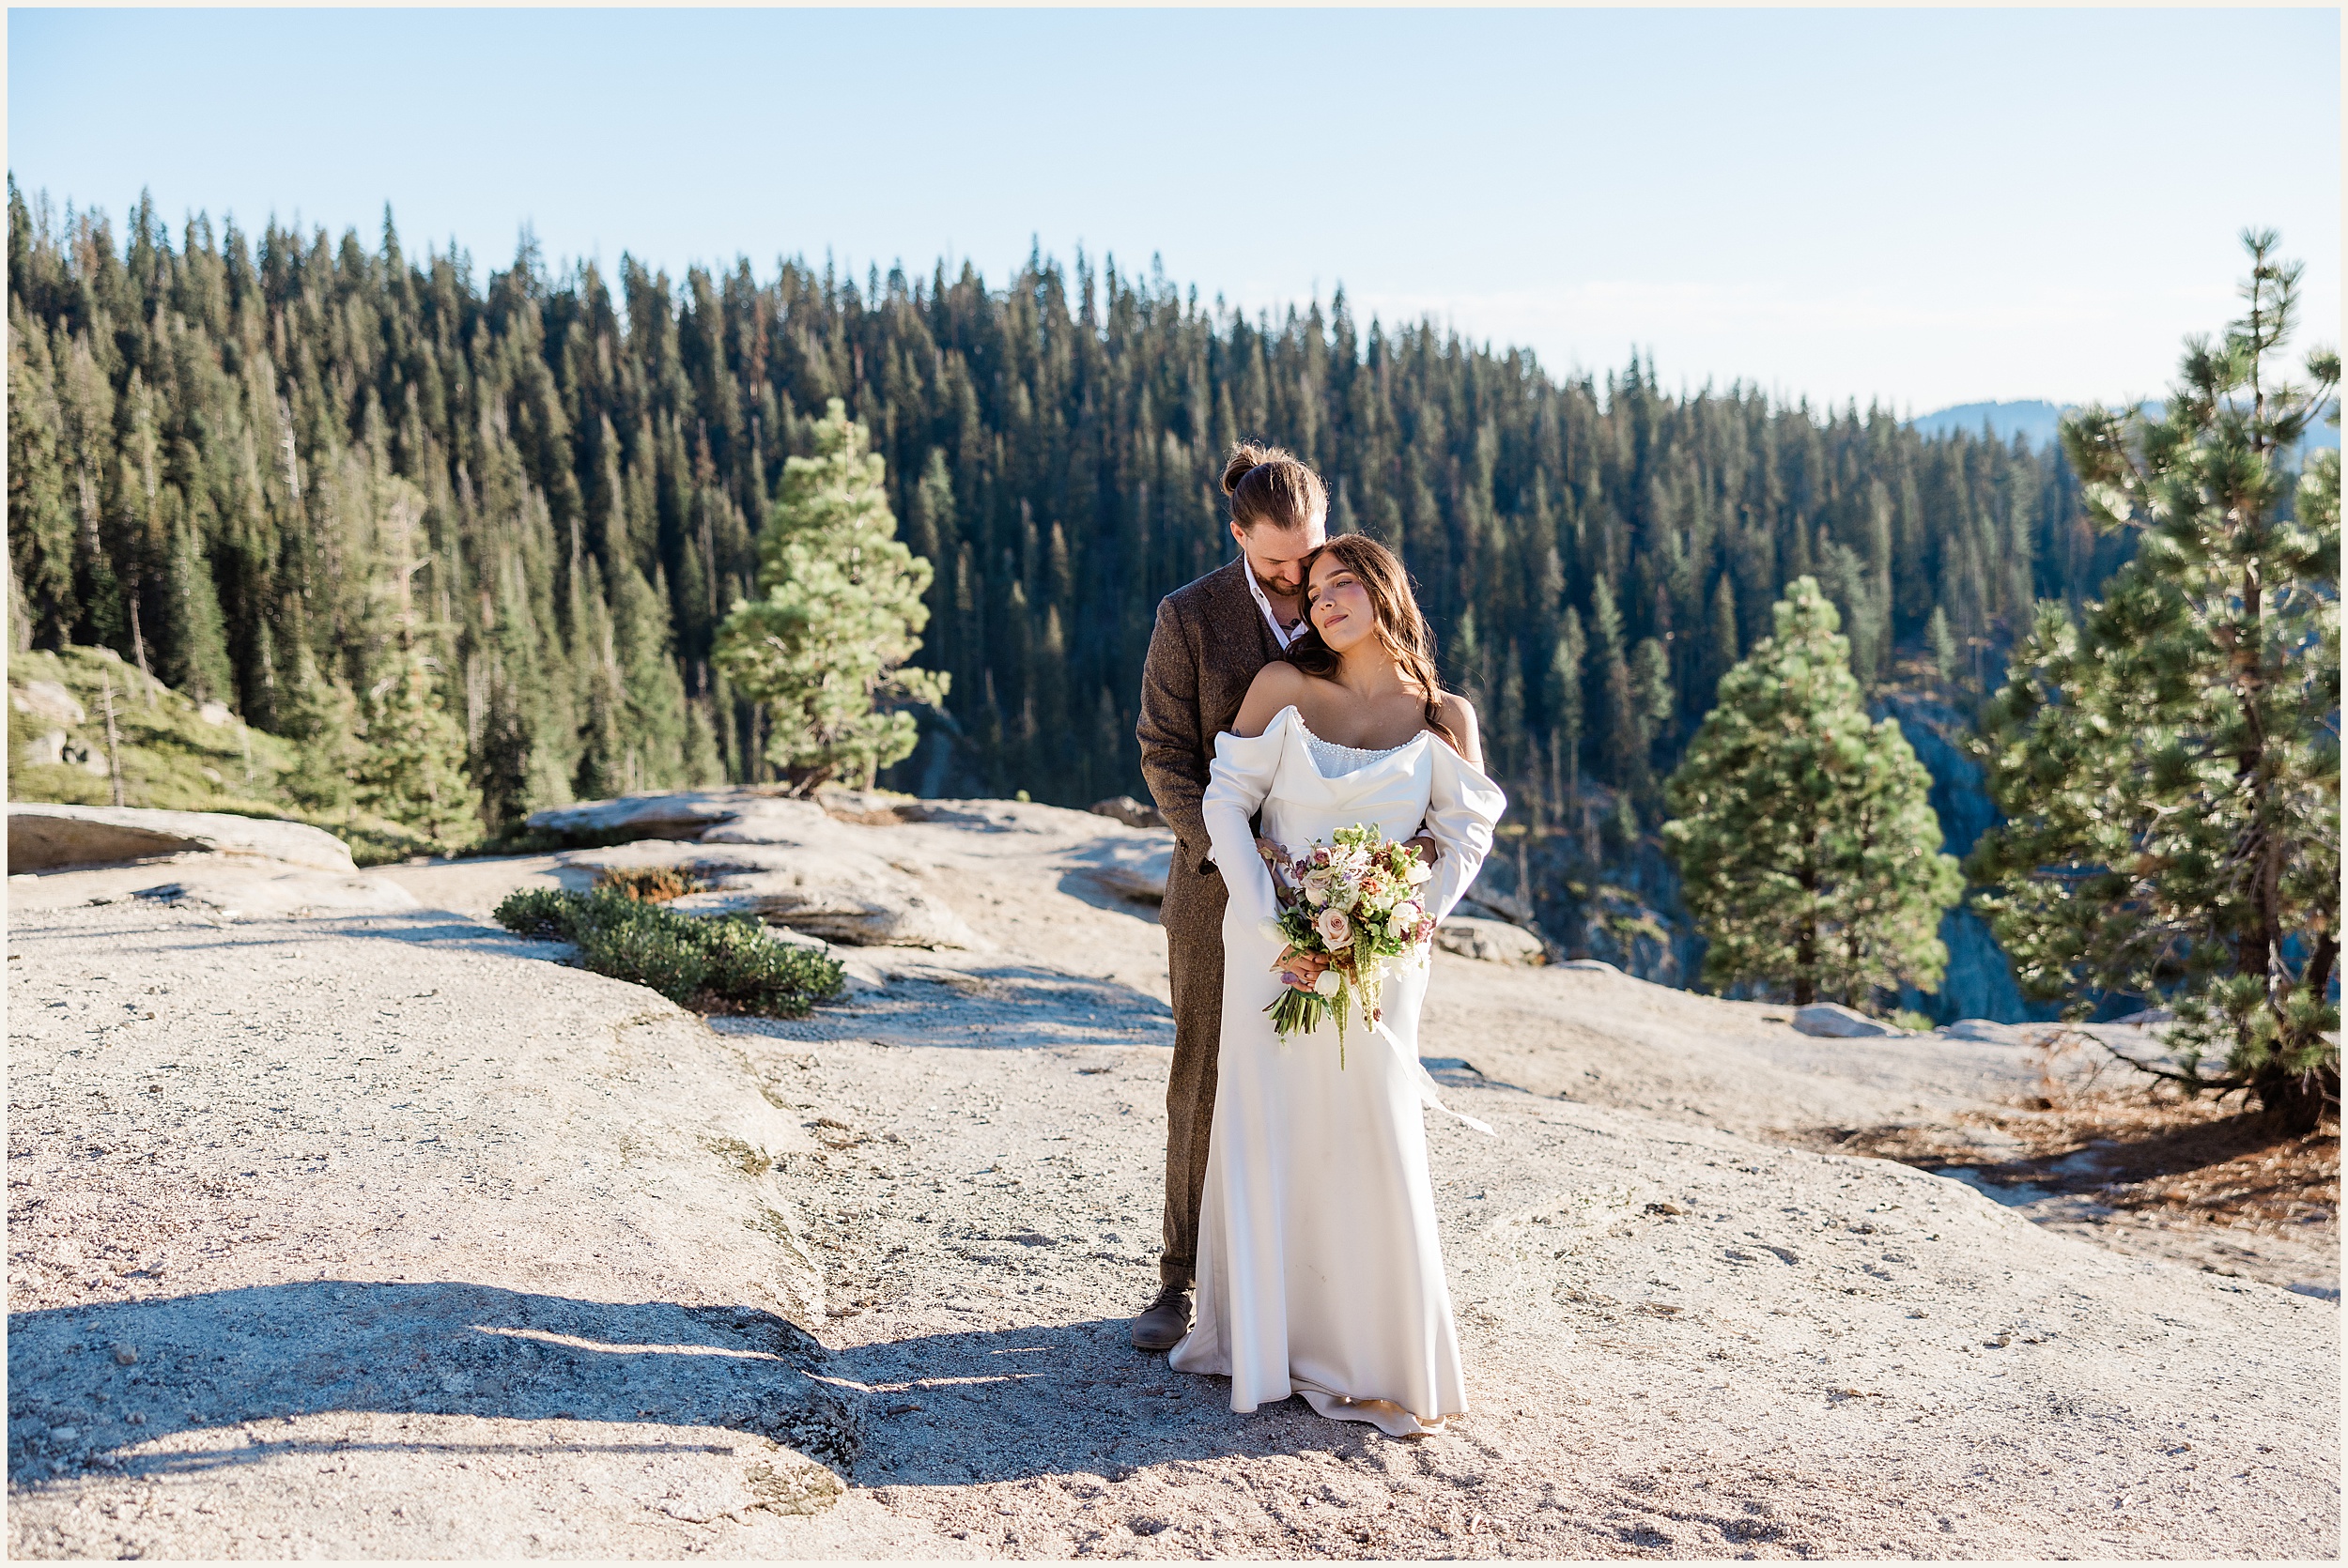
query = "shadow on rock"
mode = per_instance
[
  {"x": 438, "y": 928},
  {"x": 106, "y": 1384},
  {"x": 1125, "y": 875},
  {"x": 1086, "y": 884},
  {"x": 999, "y": 1007},
  {"x": 1060, "y": 1399}
]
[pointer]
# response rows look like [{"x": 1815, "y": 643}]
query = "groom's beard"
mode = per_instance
[{"x": 1278, "y": 591}]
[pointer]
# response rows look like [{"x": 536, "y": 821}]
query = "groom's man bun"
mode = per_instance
[{"x": 1269, "y": 485}]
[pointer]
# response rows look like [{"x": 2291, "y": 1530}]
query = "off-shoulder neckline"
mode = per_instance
[
  {"x": 1357, "y": 750},
  {"x": 1291, "y": 710},
  {"x": 1376, "y": 755}
]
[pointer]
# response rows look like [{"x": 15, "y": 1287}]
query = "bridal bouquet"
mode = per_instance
[{"x": 1354, "y": 901}]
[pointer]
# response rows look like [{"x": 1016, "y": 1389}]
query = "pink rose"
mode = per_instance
[{"x": 1335, "y": 929}]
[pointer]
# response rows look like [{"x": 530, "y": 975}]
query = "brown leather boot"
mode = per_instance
[{"x": 1164, "y": 1321}]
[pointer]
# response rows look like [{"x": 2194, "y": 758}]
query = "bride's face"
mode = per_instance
[{"x": 1341, "y": 608}]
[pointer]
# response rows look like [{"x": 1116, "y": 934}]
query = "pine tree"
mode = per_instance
[
  {"x": 1942, "y": 642},
  {"x": 2170, "y": 765},
  {"x": 321, "y": 718},
  {"x": 1622, "y": 734},
  {"x": 19, "y": 614},
  {"x": 1852, "y": 588},
  {"x": 1508, "y": 717},
  {"x": 273, "y": 396},
  {"x": 607, "y": 763},
  {"x": 1720, "y": 648},
  {"x": 1804, "y": 836},
  {"x": 40, "y": 523},
  {"x": 1566, "y": 708},
  {"x": 704, "y": 764},
  {"x": 414, "y": 772},
  {"x": 840, "y": 600},
  {"x": 197, "y": 631},
  {"x": 414, "y": 768},
  {"x": 649, "y": 677},
  {"x": 1467, "y": 662},
  {"x": 1568, "y": 658},
  {"x": 86, "y": 402},
  {"x": 1651, "y": 690}
]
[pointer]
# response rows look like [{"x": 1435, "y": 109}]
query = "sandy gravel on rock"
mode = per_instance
[
  {"x": 1602, "y": 1038},
  {"x": 1679, "y": 1343},
  {"x": 564, "y": 1327},
  {"x": 392, "y": 1237}
]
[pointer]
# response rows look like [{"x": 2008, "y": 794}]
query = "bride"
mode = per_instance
[{"x": 1318, "y": 1270}]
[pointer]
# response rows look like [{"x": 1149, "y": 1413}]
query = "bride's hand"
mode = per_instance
[
  {"x": 1300, "y": 969},
  {"x": 1425, "y": 848}
]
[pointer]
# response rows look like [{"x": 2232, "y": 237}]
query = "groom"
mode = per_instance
[{"x": 1212, "y": 637}]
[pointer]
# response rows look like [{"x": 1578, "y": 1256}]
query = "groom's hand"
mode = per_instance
[{"x": 1425, "y": 848}]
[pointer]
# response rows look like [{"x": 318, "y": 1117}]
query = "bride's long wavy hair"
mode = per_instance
[{"x": 1402, "y": 630}]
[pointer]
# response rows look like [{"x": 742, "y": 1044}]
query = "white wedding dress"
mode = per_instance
[{"x": 1319, "y": 1270}]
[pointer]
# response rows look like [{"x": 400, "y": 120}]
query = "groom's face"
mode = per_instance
[{"x": 1277, "y": 554}]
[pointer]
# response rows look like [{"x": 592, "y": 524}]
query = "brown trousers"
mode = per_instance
[
  {"x": 1207, "y": 644},
  {"x": 1193, "y": 917}
]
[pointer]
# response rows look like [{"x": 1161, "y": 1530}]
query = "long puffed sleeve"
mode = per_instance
[
  {"x": 1237, "y": 782},
  {"x": 1462, "y": 808}
]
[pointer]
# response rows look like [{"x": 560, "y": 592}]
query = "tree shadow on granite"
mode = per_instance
[
  {"x": 997, "y": 1007},
  {"x": 1056, "y": 1400},
  {"x": 225, "y": 1368},
  {"x": 107, "y": 1385}
]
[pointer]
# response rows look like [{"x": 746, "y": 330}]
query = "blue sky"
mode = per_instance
[{"x": 1921, "y": 206}]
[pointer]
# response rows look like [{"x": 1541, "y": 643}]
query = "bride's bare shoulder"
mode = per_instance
[
  {"x": 1459, "y": 717},
  {"x": 1277, "y": 685}
]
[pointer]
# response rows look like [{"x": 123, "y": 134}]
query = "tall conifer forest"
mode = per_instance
[{"x": 252, "y": 463}]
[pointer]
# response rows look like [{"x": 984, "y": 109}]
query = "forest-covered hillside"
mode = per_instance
[{"x": 254, "y": 462}]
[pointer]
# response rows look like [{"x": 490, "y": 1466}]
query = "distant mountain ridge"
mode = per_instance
[
  {"x": 2036, "y": 421},
  {"x": 2033, "y": 419}
]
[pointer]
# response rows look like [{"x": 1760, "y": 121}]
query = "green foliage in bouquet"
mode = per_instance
[
  {"x": 722, "y": 965},
  {"x": 2170, "y": 762},
  {"x": 1355, "y": 901}
]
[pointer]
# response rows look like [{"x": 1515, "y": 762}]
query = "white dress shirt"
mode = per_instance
[{"x": 1279, "y": 634}]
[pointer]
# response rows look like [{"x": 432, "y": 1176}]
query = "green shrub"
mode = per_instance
[{"x": 727, "y": 965}]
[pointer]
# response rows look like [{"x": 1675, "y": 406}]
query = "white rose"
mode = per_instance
[
  {"x": 1408, "y": 911},
  {"x": 1269, "y": 930},
  {"x": 1329, "y": 984},
  {"x": 1335, "y": 929},
  {"x": 1420, "y": 872}
]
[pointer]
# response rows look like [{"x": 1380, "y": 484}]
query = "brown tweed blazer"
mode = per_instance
[{"x": 1210, "y": 641}]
